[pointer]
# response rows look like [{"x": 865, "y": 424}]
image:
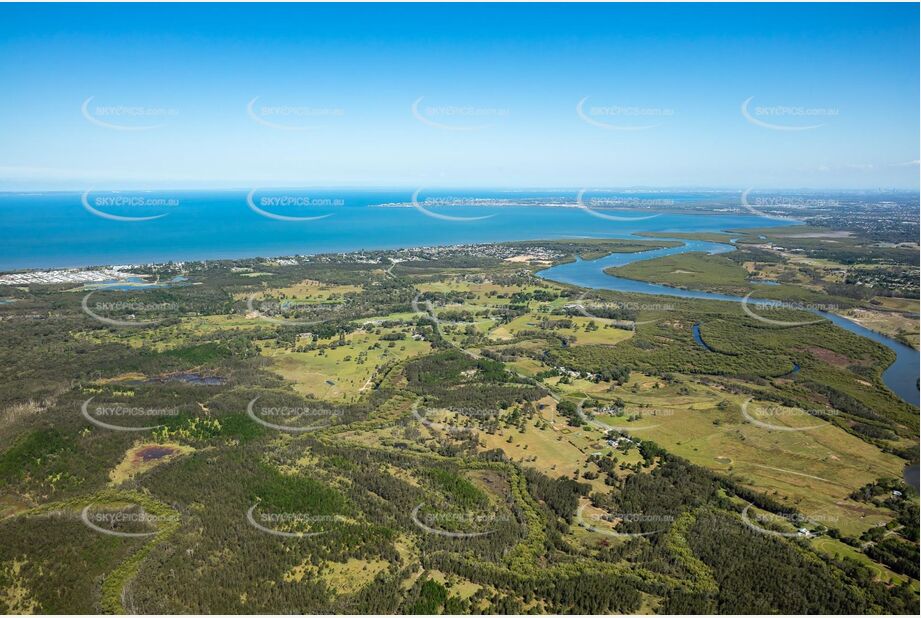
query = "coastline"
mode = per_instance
[
  {"x": 110, "y": 272},
  {"x": 200, "y": 232}
]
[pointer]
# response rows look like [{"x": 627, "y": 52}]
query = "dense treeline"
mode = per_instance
[
  {"x": 451, "y": 379},
  {"x": 759, "y": 573},
  {"x": 561, "y": 495},
  {"x": 347, "y": 500},
  {"x": 749, "y": 571}
]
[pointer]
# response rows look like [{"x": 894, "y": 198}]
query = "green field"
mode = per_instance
[
  {"x": 336, "y": 374},
  {"x": 471, "y": 398}
]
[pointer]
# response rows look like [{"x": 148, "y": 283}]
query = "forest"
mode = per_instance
[{"x": 437, "y": 435}]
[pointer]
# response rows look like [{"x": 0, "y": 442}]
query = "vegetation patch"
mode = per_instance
[{"x": 141, "y": 458}]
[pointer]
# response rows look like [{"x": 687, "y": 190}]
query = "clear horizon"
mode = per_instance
[
  {"x": 435, "y": 187},
  {"x": 177, "y": 97}
]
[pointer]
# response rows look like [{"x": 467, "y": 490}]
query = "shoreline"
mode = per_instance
[
  {"x": 121, "y": 272},
  {"x": 162, "y": 263},
  {"x": 105, "y": 273},
  {"x": 225, "y": 230}
]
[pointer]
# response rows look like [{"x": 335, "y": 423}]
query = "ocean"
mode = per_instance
[{"x": 58, "y": 230}]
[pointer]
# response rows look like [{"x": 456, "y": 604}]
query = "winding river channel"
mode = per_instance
[{"x": 901, "y": 377}]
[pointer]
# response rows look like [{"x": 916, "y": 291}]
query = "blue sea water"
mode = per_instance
[{"x": 55, "y": 230}]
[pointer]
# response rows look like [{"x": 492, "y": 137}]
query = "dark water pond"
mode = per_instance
[
  {"x": 151, "y": 453},
  {"x": 910, "y": 474}
]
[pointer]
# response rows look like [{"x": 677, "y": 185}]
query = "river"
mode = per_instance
[{"x": 901, "y": 377}]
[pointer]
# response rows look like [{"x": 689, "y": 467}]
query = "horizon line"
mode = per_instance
[{"x": 429, "y": 187}]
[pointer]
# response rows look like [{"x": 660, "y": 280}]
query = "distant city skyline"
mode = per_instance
[{"x": 724, "y": 97}]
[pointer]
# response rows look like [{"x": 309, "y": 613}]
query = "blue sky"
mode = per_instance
[{"x": 313, "y": 95}]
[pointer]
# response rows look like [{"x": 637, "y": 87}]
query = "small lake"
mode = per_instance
[{"x": 911, "y": 476}]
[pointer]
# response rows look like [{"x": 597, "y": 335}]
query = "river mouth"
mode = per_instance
[{"x": 900, "y": 377}]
